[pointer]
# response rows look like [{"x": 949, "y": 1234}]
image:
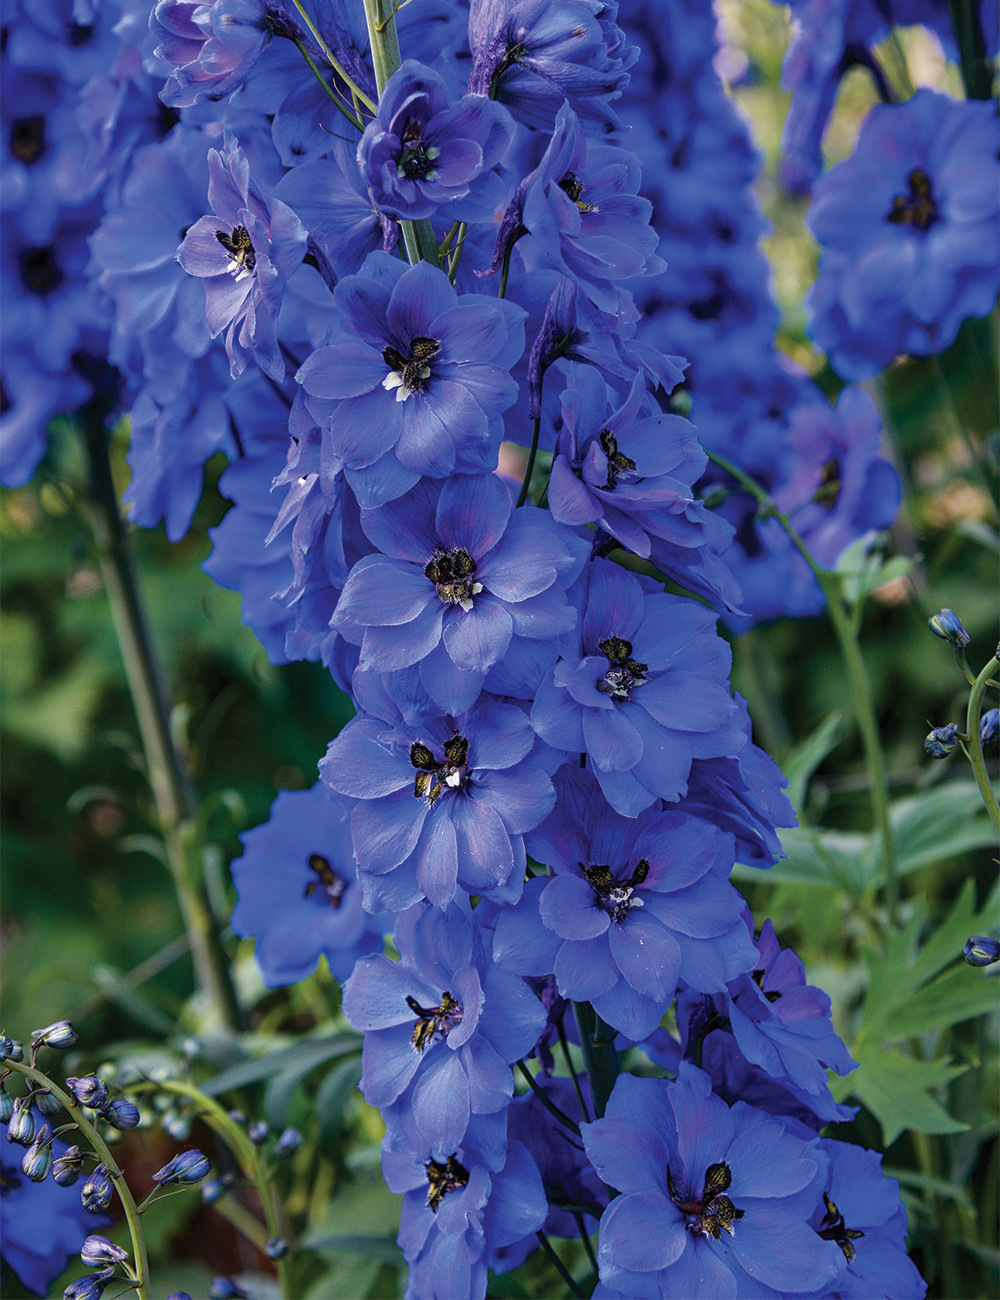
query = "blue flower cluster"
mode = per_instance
[{"x": 363, "y": 284}]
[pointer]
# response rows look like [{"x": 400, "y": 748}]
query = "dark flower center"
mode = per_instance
[
  {"x": 409, "y": 374},
  {"x": 772, "y": 995},
  {"x": 833, "y": 1229},
  {"x": 239, "y": 246},
  {"x": 572, "y": 187},
  {"x": 434, "y": 775},
  {"x": 442, "y": 1179},
  {"x": 27, "y": 139},
  {"x": 416, "y": 162},
  {"x": 713, "y": 1213},
  {"x": 40, "y": 271},
  {"x": 452, "y": 574},
  {"x": 827, "y": 494},
  {"x": 327, "y": 881},
  {"x": 624, "y": 673},
  {"x": 618, "y": 463},
  {"x": 433, "y": 1022},
  {"x": 916, "y": 209},
  {"x": 616, "y": 896}
]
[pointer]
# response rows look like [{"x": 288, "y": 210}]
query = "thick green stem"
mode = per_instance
[
  {"x": 861, "y": 693},
  {"x": 977, "y": 75},
  {"x": 176, "y": 803},
  {"x": 217, "y": 1119},
  {"x": 102, "y": 1150},
  {"x": 418, "y": 236},
  {"x": 975, "y": 745},
  {"x": 597, "y": 1042},
  {"x": 529, "y": 467}
]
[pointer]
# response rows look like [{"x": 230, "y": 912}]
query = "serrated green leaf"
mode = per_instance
[
  {"x": 806, "y": 757},
  {"x": 939, "y": 824},
  {"x": 305, "y": 1055},
  {"x": 826, "y": 858},
  {"x": 959, "y": 994},
  {"x": 895, "y": 1087},
  {"x": 350, "y": 1277},
  {"x": 382, "y": 1249}
]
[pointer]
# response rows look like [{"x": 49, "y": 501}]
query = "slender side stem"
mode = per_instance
[
  {"x": 561, "y": 1268},
  {"x": 331, "y": 58},
  {"x": 977, "y": 74},
  {"x": 173, "y": 793},
  {"x": 599, "y": 1054},
  {"x": 328, "y": 89},
  {"x": 546, "y": 1101},
  {"x": 529, "y": 468},
  {"x": 216, "y": 1117},
  {"x": 242, "y": 1220},
  {"x": 111, "y": 1165},
  {"x": 585, "y": 1238},
  {"x": 861, "y": 693},
  {"x": 418, "y": 236},
  {"x": 564, "y": 1044},
  {"x": 976, "y": 745}
]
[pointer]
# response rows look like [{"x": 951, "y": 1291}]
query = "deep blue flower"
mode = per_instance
[
  {"x": 442, "y": 1026},
  {"x": 413, "y": 379},
  {"x": 443, "y": 802},
  {"x": 841, "y": 487},
  {"x": 907, "y": 225},
  {"x": 457, "y": 574},
  {"x": 533, "y": 55},
  {"x": 298, "y": 891},
  {"x": 423, "y": 154},
  {"x": 636, "y": 905},
  {"x": 245, "y": 251},
  {"x": 582, "y": 208},
  {"x": 714, "y": 1201},
  {"x": 641, "y": 688},
  {"x": 862, "y": 1217}
]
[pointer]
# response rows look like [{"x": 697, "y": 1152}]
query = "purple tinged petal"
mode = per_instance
[
  {"x": 440, "y": 1103},
  {"x": 386, "y": 649},
  {"x": 628, "y": 1011},
  {"x": 426, "y": 441},
  {"x": 362, "y": 429},
  {"x": 385, "y": 831},
  {"x": 557, "y": 718},
  {"x": 346, "y": 368},
  {"x": 452, "y": 689},
  {"x": 780, "y": 1251},
  {"x": 485, "y": 854},
  {"x": 491, "y": 1083},
  {"x": 569, "y": 908},
  {"x": 624, "y": 792},
  {"x": 666, "y": 757},
  {"x": 521, "y": 943},
  {"x": 584, "y": 970},
  {"x": 514, "y": 1016},
  {"x": 383, "y": 592},
  {"x": 647, "y": 955},
  {"x": 641, "y": 1233},
  {"x": 503, "y": 737},
  {"x": 470, "y": 332},
  {"x": 375, "y": 994},
  {"x": 612, "y": 739},
  {"x": 521, "y": 799},
  {"x": 437, "y": 859},
  {"x": 359, "y": 765},
  {"x": 478, "y": 637},
  {"x": 472, "y": 513},
  {"x": 766, "y": 1161},
  {"x": 700, "y": 1274},
  {"x": 421, "y": 295},
  {"x": 522, "y": 565},
  {"x": 388, "y": 1063},
  {"x": 685, "y": 701}
]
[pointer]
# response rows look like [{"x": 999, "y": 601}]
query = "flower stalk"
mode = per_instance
[{"x": 974, "y": 742}]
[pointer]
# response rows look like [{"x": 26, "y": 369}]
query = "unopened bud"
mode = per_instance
[
  {"x": 21, "y": 1127},
  {"x": 258, "y": 1132},
  {"x": 90, "y": 1287},
  {"x": 941, "y": 741},
  {"x": 121, "y": 1113},
  {"x": 980, "y": 950},
  {"x": 6, "y": 1104},
  {"x": 89, "y": 1090},
  {"x": 95, "y": 1194},
  {"x": 37, "y": 1160},
  {"x": 290, "y": 1140},
  {"x": 66, "y": 1168},
  {"x": 185, "y": 1169},
  {"x": 948, "y": 626},
  {"x": 989, "y": 727},
  {"x": 276, "y": 1248},
  {"x": 98, "y": 1252},
  {"x": 60, "y": 1034}
]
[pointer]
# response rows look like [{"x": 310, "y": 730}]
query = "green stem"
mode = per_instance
[
  {"x": 217, "y": 1118},
  {"x": 110, "y": 1164},
  {"x": 599, "y": 1054},
  {"x": 585, "y": 1238},
  {"x": 561, "y": 1268},
  {"x": 243, "y": 1221},
  {"x": 975, "y": 745},
  {"x": 330, "y": 92},
  {"x": 176, "y": 802},
  {"x": 861, "y": 693},
  {"x": 328, "y": 54},
  {"x": 529, "y": 468},
  {"x": 977, "y": 76},
  {"x": 546, "y": 1100},
  {"x": 564, "y": 1044},
  {"x": 418, "y": 236}
]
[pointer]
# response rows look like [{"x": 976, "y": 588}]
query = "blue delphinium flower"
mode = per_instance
[
  {"x": 456, "y": 575},
  {"x": 413, "y": 378},
  {"x": 423, "y": 154},
  {"x": 861, "y": 1216},
  {"x": 245, "y": 251},
  {"x": 298, "y": 891},
  {"x": 533, "y": 55},
  {"x": 582, "y": 208},
  {"x": 442, "y": 1027},
  {"x": 442, "y": 802},
  {"x": 641, "y": 688},
  {"x": 714, "y": 1200},
  {"x": 635, "y": 906},
  {"x": 780, "y": 1023},
  {"x": 907, "y": 224}
]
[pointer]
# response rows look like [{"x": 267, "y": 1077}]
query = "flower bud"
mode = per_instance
[
  {"x": 90, "y": 1287},
  {"x": 290, "y": 1140},
  {"x": 89, "y": 1091},
  {"x": 11, "y": 1049},
  {"x": 941, "y": 741},
  {"x": 47, "y": 1104},
  {"x": 21, "y": 1128},
  {"x": 98, "y": 1252},
  {"x": 980, "y": 950},
  {"x": 185, "y": 1169},
  {"x": 66, "y": 1168},
  {"x": 177, "y": 1125},
  {"x": 37, "y": 1160},
  {"x": 121, "y": 1113},
  {"x": 6, "y": 1104},
  {"x": 59, "y": 1034},
  {"x": 224, "y": 1288},
  {"x": 237, "y": 1117},
  {"x": 989, "y": 727},
  {"x": 276, "y": 1248},
  {"x": 948, "y": 626},
  {"x": 178, "y": 1295},
  {"x": 258, "y": 1132},
  {"x": 95, "y": 1194}
]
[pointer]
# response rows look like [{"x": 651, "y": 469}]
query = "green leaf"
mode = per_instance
[
  {"x": 339, "y": 1086},
  {"x": 350, "y": 1277},
  {"x": 831, "y": 859},
  {"x": 806, "y": 757},
  {"x": 114, "y": 986},
  {"x": 302, "y": 1056},
  {"x": 382, "y": 1249},
  {"x": 895, "y": 1086},
  {"x": 939, "y": 824}
]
